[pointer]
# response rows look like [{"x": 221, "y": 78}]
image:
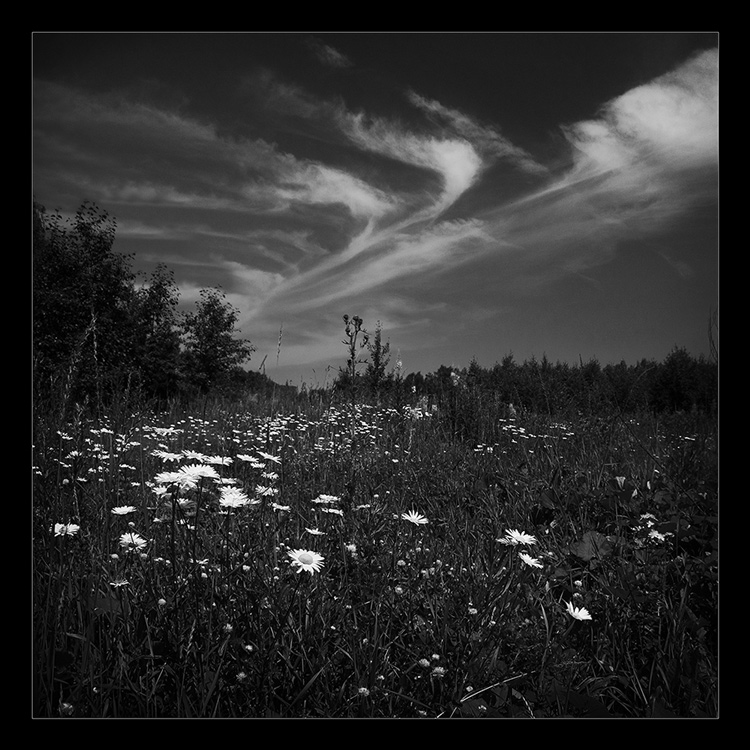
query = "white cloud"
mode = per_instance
[
  {"x": 488, "y": 140},
  {"x": 328, "y": 55}
]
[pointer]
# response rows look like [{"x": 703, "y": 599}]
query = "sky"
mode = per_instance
[{"x": 474, "y": 194}]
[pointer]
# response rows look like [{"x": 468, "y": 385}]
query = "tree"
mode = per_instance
[
  {"x": 211, "y": 350},
  {"x": 375, "y": 371},
  {"x": 82, "y": 302},
  {"x": 157, "y": 335}
]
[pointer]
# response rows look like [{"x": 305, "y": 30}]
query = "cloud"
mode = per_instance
[
  {"x": 454, "y": 160},
  {"x": 486, "y": 139},
  {"x": 327, "y": 55},
  {"x": 646, "y": 160}
]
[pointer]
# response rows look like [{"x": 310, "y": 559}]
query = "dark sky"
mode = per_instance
[{"x": 478, "y": 194}]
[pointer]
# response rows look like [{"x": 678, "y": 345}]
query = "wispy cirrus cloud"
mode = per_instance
[
  {"x": 650, "y": 156},
  {"x": 486, "y": 139},
  {"x": 327, "y": 54}
]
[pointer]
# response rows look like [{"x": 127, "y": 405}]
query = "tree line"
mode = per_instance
[
  {"x": 679, "y": 383},
  {"x": 101, "y": 331}
]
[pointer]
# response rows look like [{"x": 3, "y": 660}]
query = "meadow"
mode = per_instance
[{"x": 337, "y": 559}]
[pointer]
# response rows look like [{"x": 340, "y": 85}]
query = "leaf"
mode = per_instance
[{"x": 592, "y": 544}]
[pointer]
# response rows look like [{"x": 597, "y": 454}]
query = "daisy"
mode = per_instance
[
  {"x": 232, "y": 497},
  {"x": 513, "y": 536},
  {"x": 529, "y": 560},
  {"x": 132, "y": 542},
  {"x": 123, "y": 510},
  {"x": 166, "y": 456},
  {"x": 578, "y": 614},
  {"x": 269, "y": 457},
  {"x": 315, "y": 532},
  {"x": 307, "y": 560},
  {"x": 66, "y": 529},
  {"x": 184, "y": 481},
  {"x": 199, "y": 471},
  {"x": 219, "y": 460},
  {"x": 194, "y": 456},
  {"x": 261, "y": 490},
  {"x": 414, "y": 518},
  {"x": 333, "y": 511},
  {"x": 326, "y": 499}
]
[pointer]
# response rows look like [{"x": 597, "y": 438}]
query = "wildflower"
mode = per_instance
[
  {"x": 66, "y": 709},
  {"x": 438, "y": 672},
  {"x": 415, "y": 518},
  {"x": 265, "y": 491},
  {"x": 364, "y": 692},
  {"x": 269, "y": 457},
  {"x": 657, "y": 535},
  {"x": 530, "y": 561},
  {"x": 424, "y": 663},
  {"x": 199, "y": 471},
  {"x": 66, "y": 529},
  {"x": 473, "y": 610},
  {"x": 122, "y": 510},
  {"x": 276, "y": 506},
  {"x": 118, "y": 583},
  {"x": 194, "y": 456},
  {"x": 232, "y": 497},
  {"x": 326, "y": 499},
  {"x": 132, "y": 542},
  {"x": 399, "y": 590},
  {"x": 241, "y": 676},
  {"x": 162, "y": 602},
  {"x": 513, "y": 536},
  {"x": 351, "y": 549},
  {"x": 166, "y": 456},
  {"x": 315, "y": 532},
  {"x": 307, "y": 560},
  {"x": 218, "y": 460},
  {"x": 180, "y": 478},
  {"x": 578, "y": 614},
  {"x": 333, "y": 511},
  {"x": 228, "y": 628}
]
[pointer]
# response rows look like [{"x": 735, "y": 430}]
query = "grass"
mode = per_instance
[{"x": 209, "y": 618}]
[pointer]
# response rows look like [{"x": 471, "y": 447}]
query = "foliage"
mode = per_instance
[
  {"x": 211, "y": 349},
  {"x": 445, "y": 619},
  {"x": 97, "y": 336}
]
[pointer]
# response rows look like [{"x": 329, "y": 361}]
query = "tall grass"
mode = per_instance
[{"x": 452, "y": 618}]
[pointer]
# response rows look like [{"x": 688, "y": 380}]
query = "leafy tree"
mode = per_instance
[
  {"x": 211, "y": 350},
  {"x": 157, "y": 335},
  {"x": 375, "y": 372},
  {"x": 82, "y": 302}
]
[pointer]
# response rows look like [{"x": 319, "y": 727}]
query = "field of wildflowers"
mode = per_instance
[{"x": 370, "y": 561}]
